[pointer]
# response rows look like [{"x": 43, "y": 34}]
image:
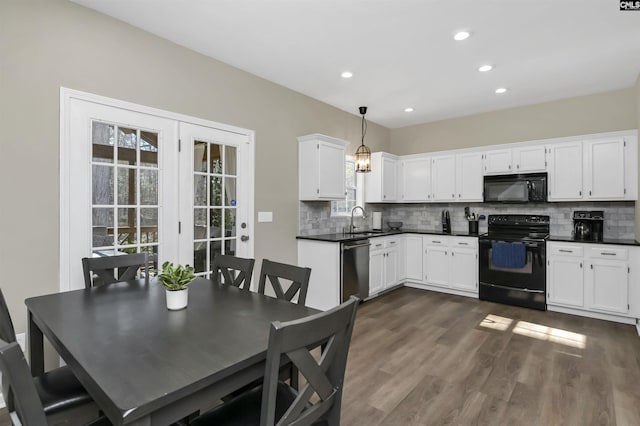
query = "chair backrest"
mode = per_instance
[
  {"x": 331, "y": 331},
  {"x": 227, "y": 266},
  {"x": 298, "y": 276},
  {"x": 7, "y": 332},
  {"x": 18, "y": 383},
  {"x": 112, "y": 269}
]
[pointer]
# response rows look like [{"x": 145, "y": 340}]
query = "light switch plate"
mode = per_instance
[{"x": 265, "y": 216}]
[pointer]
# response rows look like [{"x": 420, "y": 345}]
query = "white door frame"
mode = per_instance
[{"x": 66, "y": 95}]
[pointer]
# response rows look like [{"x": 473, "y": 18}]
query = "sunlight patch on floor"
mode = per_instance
[
  {"x": 496, "y": 322},
  {"x": 555, "y": 335}
]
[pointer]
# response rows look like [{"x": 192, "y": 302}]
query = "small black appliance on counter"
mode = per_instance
[
  {"x": 588, "y": 225},
  {"x": 446, "y": 222}
]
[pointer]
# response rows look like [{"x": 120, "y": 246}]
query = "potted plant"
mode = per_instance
[{"x": 175, "y": 279}]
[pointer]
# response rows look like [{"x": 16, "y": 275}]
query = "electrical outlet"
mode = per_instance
[{"x": 21, "y": 339}]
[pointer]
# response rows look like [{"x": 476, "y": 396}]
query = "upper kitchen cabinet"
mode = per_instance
[
  {"x": 381, "y": 182},
  {"x": 469, "y": 176},
  {"x": 414, "y": 176},
  {"x": 609, "y": 172},
  {"x": 321, "y": 167},
  {"x": 530, "y": 159},
  {"x": 443, "y": 175},
  {"x": 565, "y": 171},
  {"x": 498, "y": 162}
]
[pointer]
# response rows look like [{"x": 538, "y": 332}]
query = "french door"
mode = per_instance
[{"x": 135, "y": 179}]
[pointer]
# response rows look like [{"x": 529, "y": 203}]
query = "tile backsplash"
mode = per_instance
[{"x": 315, "y": 217}]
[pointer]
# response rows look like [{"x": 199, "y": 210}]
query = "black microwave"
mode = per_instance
[{"x": 523, "y": 188}]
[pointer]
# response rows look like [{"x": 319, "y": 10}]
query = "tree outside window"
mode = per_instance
[{"x": 354, "y": 192}]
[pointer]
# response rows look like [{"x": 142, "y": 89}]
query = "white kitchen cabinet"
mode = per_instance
[
  {"x": 321, "y": 167},
  {"x": 592, "y": 280},
  {"x": 469, "y": 177},
  {"x": 383, "y": 263},
  {"x": 324, "y": 283},
  {"x": 565, "y": 276},
  {"x": 381, "y": 182},
  {"x": 415, "y": 179},
  {"x": 604, "y": 167},
  {"x": 443, "y": 178},
  {"x": 413, "y": 257},
  {"x": 376, "y": 271},
  {"x": 529, "y": 159},
  {"x": 436, "y": 265},
  {"x": 464, "y": 268},
  {"x": 498, "y": 162},
  {"x": 565, "y": 171}
]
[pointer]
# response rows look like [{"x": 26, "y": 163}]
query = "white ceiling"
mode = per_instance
[{"x": 401, "y": 52}]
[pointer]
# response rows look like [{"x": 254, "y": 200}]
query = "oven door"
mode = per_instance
[{"x": 531, "y": 276}]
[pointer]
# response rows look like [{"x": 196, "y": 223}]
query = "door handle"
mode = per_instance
[{"x": 244, "y": 238}]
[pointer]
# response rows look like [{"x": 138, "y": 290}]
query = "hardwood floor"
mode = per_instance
[{"x": 425, "y": 358}]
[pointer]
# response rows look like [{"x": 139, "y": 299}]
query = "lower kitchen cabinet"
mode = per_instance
[
  {"x": 412, "y": 257},
  {"x": 464, "y": 269},
  {"x": 383, "y": 263},
  {"x": 590, "y": 280},
  {"x": 451, "y": 264}
]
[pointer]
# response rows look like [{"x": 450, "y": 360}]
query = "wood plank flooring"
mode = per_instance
[{"x": 425, "y": 358}]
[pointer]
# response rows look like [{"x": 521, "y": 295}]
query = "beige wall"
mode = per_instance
[
  {"x": 602, "y": 112},
  {"x": 638, "y": 124},
  {"x": 52, "y": 43}
]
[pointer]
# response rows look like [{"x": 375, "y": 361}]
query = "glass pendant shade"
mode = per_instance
[{"x": 363, "y": 159}]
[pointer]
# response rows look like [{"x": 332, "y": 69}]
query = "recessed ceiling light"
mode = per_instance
[
  {"x": 408, "y": 109},
  {"x": 501, "y": 90},
  {"x": 485, "y": 68},
  {"x": 346, "y": 74},
  {"x": 461, "y": 35}
]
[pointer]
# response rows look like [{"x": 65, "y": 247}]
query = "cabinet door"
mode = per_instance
[
  {"x": 464, "y": 269},
  {"x": 497, "y": 162},
  {"x": 389, "y": 176},
  {"x": 436, "y": 266},
  {"x": 416, "y": 179},
  {"x": 530, "y": 159},
  {"x": 608, "y": 286},
  {"x": 604, "y": 171},
  {"x": 469, "y": 177},
  {"x": 413, "y": 257},
  {"x": 565, "y": 171},
  {"x": 565, "y": 281},
  {"x": 331, "y": 169},
  {"x": 391, "y": 268},
  {"x": 443, "y": 177},
  {"x": 376, "y": 272}
]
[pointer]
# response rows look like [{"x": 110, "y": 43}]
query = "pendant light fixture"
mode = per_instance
[{"x": 363, "y": 153}]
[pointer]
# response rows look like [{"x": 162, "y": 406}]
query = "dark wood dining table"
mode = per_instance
[{"x": 146, "y": 365}]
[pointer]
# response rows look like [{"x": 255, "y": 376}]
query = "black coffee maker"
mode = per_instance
[{"x": 588, "y": 225}]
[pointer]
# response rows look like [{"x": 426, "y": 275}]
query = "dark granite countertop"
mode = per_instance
[
  {"x": 611, "y": 241},
  {"x": 341, "y": 238}
]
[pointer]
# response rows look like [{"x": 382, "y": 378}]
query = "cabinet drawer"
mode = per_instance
[
  {"x": 464, "y": 242},
  {"x": 436, "y": 240},
  {"x": 391, "y": 242},
  {"x": 376, "y": 244},
  {"x": 604, "y": 252},
  {"x": 566, "y": 250}
]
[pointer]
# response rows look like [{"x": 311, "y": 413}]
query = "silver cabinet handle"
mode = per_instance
[
  {"x": 378, "y": 245},
  {"x": 565, "y": 251},
  {"x": 463, "y": 244},
  {"x": 604, "y": 253},
  {"x": 392, "y": 242},
  {"x": 435, "y": 242}
]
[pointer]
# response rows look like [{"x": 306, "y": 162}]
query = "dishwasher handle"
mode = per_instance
[{"x": 348, "y": 247}]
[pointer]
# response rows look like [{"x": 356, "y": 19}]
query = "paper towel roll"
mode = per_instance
[{"x": 377, "y": 220}]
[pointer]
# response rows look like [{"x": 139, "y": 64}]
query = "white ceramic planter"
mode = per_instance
[{"x": 177, "y": 300}]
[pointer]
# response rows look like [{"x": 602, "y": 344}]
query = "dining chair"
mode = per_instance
[
  {"x": 235, "y": 271},
  {"x": 275, "y": 402},
  {"x": 111, "y": 269},
  {"x": 275, "y": 271},
  {"x": 18, "y": 385},
  {"x": 58, "y": 389}
]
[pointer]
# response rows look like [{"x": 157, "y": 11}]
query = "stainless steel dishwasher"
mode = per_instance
[{"x": 354, "y": 269}]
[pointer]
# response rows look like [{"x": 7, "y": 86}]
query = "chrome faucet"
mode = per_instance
[{"x": 364, "y": 216}]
